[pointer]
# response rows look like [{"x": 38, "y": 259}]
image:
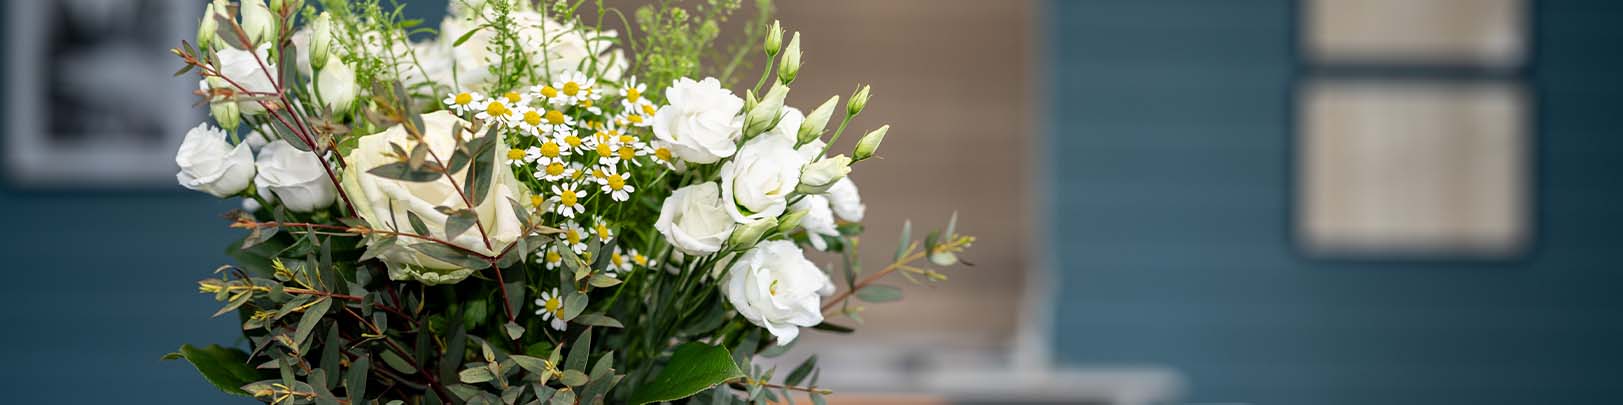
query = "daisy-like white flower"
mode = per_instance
[
  {"x": 575, "y": 238},
  {"x": 496, "y": 110},
  {"x": 641, "y": 116},
  {"x": 601, "y": 228},
  {"x": 569, "y": 88},
  {"x": 619, "y": 262},
  {"x": 551, "y": 257},
  {"x": 566, "y": 199},
  {"x": 554, "y": 170},
  {"x": 569, "y": 141},
  {"x": 516, "y": 99},
  {"x": 578, "y": 172},
  {"x": 538, "y": 156},
  {"x": 520, "y": 157},
  {"x": 630, "y": 148},
  {"x": 607, "y": 148},
  {"x": 551, "y": 308},
  {"x": 554, "y": 122},
  {"x": 662, "y": 155},
  {"x": 589, "y": 105},
  {"x": 631, "y": 94},
  {"x": 551, "y": 148},
  {"x": 637, "y": 258},
  {"x": 464, "y": 102},
  {"x": 531, "y": 120},
  {"x": 615, "y": 183}
]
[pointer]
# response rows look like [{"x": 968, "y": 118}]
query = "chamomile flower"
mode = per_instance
[
  {"x": 579, "y": 172},
  {"x": 662, "y": 155},
  {"x": 514, "y": 98},
  {"x": 536, "y": 201},
  {"x": 601, "y": 229},
  {"x": 616, "y": 184},
  {"x": 631, "y": 94},
  {"x": 554, "y": 122},
  {"x": 464, "y": 102},
  {"x": 589, "y": 105},
  {"x": 640, "y": 116},
  {"x": 496, "y": 110},
  {"x": 551, "y": 257},
  {"x": 531, "y": 120},
  {"x": 551, "y": 308},
  {"x": 520, "y": 157},
  {"x": 537, "y": 155},
  {"x": 607, "y": 148},
  {"x": 569, "y": 141},
  {"x": 554, "y": 170},
  {"x": 575, "y": 237},
  {"x": 638, "y": 259},
  {"x": 567, "y": 199},
  {"x": 570, "y": 88},
  {"x": 551, "y": 148},
  {"x": 618, "y": 262}
]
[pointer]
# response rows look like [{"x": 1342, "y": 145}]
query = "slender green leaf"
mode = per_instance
[
  {"x": 226, "y": 368},
  {"x": 693, "y": 367},
  {"x": 877, "y": 293}
]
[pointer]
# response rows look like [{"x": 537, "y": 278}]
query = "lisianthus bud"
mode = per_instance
[
  {"x": 790, "y": 221},
  {"x": 766, "y": 113},
  {"x": 337, "y": 85},
  {"x": 320, "y": 40},
  {"x": 870, "y": 143},
  {"x": 745, "y": 236},
  {"x": 774, "y": 39},
  {"x": 791, "y": 61},
  {"x": 750, "y": 100},
  {"x": 207, "y": 29},
  {"x": 818, "y": 176},
  {"x": 812, "y": 127},
  {"x": 257, "y": 21},
  {"x": 858, "y": 101},
  {"x": 227, "y": 114},
  {"x": 276, "y": 6}
]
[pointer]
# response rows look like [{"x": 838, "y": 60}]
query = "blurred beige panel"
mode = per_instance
[
  {"x": 1419, "y": 31},
  {"x": 1403, "y": 168}
]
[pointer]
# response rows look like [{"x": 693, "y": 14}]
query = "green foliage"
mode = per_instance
[
  {"x": 226, "y": 368},
  {"x": 693, "y": 367}
]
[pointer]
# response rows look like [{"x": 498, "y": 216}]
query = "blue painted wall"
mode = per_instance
[{"x": 1170, "y": 150}]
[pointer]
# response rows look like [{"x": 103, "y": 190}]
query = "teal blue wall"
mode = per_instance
[{"x": 1170, "y": 149}]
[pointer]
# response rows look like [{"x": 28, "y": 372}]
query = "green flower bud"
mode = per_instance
[
  {"x": 870, "y": 143},
  {"x": 859, "y": 100},
  {"x": 227, "y": 114},
  {"x": 817, "y": 177},
  {"x": 812, "y": 127},
  {"x": 745, "y": 236},
  {"x": 750, "y": 100},
  {"x": 791, "y": 61},
  {"x": 207, "y": 29},
  {"x": 320, "y": 40},
  {"x": 257, "y": 21},
  {"x": 790, "y": 221},
  {"x": 766, "y": 113},
  {"x": 774, "y": 39}
]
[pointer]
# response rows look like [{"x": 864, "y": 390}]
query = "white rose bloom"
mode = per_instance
[
  {"x": 845, "y": 201},
  {"x": 819, "y": 220},
  {"x": 210, "y": 164},
  {"x": 294, "y": 177},
  {"x": 756, "y": 183},
  {"x": 693, "y": 219},
  {"x": 336, "y": 85},
  {"x": 245, "y": 70},
  {"x": 701, "y": 123},
  {"x": 385, "y": 203},
  {"x": 775, "y": 287},
  {"x": 788, "y": 125}
]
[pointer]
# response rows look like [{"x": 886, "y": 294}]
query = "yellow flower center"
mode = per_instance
[
  {"x": 639, "y": 259},
  {"x": 602, "y": 230},
  {"x": 627, "y": 152},
  {"x": 604, "y": 149},
  {"x": 515, "y": 154},
  {"x": 616, "y": 182},
  {"x": 773, "y": 289},
  {"x": 555, "y": 117},
  {"x": 627, "y": 139},
  {"x": 617, "y": 259},
  {"x": 632, "y": 94},
  {"x": 554, "y": 306},
  {"x": 648, "y": 109},
  {"x": 663, "y": 154},
  {"x": 568, "y": 197},
  {"x": 573, "y": 236},
  {"x": 635, "y": 119},
  {"x": 597, "y": 172},
  {"x": 535, "y": 200},
  {"x": 572, "y": 140},
  {"x": 513, "y": 97},
  {"x": 549, "y": 92},
  {"x": 586, "y": 103},
  {"x": 533, "y": 118},
  {"x": 463, "y": 98},
  {"x": 555, "y": 169},
  {"x": 554, "y": 257},
  {"x": 497, "y": 109},
  {"x": 549, "y": 149},
  {"x": 571, "y": 89}
]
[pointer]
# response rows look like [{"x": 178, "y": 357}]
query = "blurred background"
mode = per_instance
[{"x": 1178, "y": 201}]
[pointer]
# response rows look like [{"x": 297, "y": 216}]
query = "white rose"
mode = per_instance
[
  {"x": 845, "y": 201},
  {"x": 693, "y": 219},
  {"x": 775, "y": 287},
  {"x": 756, "y": 183},
  {"x": 701, "y": 122},
  {"x": 294, "y": 177},
  {"x": 210, "y": 164},
  {"x": 336, "y": 85},
  {"x": 244, "y": 69},
  {"x": 385, "y": 203},
  {"x": 819, "y": 220}
]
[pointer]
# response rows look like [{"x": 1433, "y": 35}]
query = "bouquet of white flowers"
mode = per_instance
[{"x": 517, "y": 210}]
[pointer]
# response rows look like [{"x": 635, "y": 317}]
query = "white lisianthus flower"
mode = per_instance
[
  {"x": 693, "y": 219},
  {"x": 819, "y": 220},
  {"x": 845, "y": 201},
  {"x": 258, "y": 21},
  {"x": 210, "y": 164},
  {"x": 701, "y": 123},
  {"x": 386, "y": 203},
  {"x": 756, "y": 183},
  {"x": 336, "y": 85},
  {"x": 294, "y": 177},
  {"x": 244, "y": 69},
  {"x": 788, "y": 125},
  {"x": 775, "y": 287}
]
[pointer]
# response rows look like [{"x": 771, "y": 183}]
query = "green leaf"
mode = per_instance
[
  {"x": 596, "y": 319},
  {"x": 307, "y": 322},
  {"x": 574, "y": 378},
  {"x": 466, "y": 36},
  {"x": 402, "y": 171},
  {"x": 829, "y": 327},
  {"x": 800, "y": 373},
  {"x": 398, "y": 364},
  {"x": 693, "y": 367},
  {"x": 514, "y": 331},
  {"x": 475, "y": 375},
  {"x": 907, "y": 239},
  {"x": 355, "y": 381},
  {"x": 417, "y": 225},
  {"x": 458, "y": 223},
  {"x": 574, "y": 304},
  {"x": 529, "y": 363},
  {"x": 225, "y": 367},
  {"x": 578, "y": 351},
  {"x": 877, "y": 293}
]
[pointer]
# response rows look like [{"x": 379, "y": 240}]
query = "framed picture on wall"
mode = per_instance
[{"x": 84, "y": 108}]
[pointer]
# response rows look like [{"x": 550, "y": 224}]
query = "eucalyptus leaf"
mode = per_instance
[
  {"x": 459, "y": 222},
  {"x": 877, "y": 293},
  {"x": 404, "y": 172},
  {"x": 226, "y": 368},
  {"x": 597, "y": 319}
]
